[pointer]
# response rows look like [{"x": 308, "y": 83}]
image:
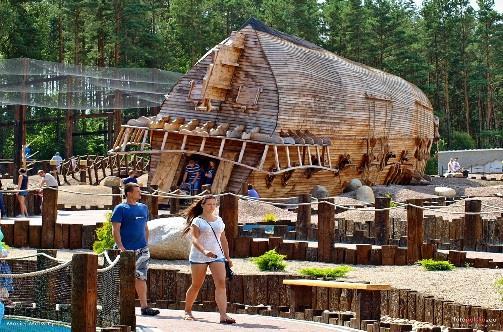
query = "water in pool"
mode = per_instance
[{"x": 25, "y": 325}]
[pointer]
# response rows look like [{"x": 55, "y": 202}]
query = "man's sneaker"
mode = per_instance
[{"x": 149, "y": 312}]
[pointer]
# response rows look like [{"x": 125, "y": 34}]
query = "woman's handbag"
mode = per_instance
[{"x": 229, "y": 274}]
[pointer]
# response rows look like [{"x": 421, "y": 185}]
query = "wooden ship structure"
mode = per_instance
[{"x": 285, "y": 115}]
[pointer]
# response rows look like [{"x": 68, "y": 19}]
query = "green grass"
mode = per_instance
[
  {"x": 326, "y": 272},
  {"x": 270, "y": 261},
  {"x": 432, "y": 265},
  {"x": 270, "y": 217},
  {"x": 105, "y": 239}
]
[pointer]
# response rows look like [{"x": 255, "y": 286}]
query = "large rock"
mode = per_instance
[
  {"x": 353, "y": 185},
  {"x": 166, "y": 240},
  {"x": 112, "y": 181},
  {"x": 445, "y": 192},
  {"x": 319, "y": 192},
  {"x": 365, "y": 194}
]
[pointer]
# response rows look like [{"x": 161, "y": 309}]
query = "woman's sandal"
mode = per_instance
[
  {"x": 188, "y": 316},
  {"x": 228, "y": 320}
]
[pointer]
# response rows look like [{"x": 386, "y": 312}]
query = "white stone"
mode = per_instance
[
  {"x": 319, "y": 192},
  {"x": 365, "y": 194},
  {"x": 445, "y": 192},
  {"x": 166, "y": 240},
  {"x": 112, "y": 181},
  {"x": 353, "y": 185}
]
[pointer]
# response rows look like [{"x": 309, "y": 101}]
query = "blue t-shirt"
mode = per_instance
[
  {"x": 133, "y": 219},
  {"x": 253, "y": 193}
]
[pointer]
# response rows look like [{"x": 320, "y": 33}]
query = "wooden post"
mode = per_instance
[
  {"x": 49, "y": 217},
  {"x": 84, "y": 292},
  {"x": 116, "y": 200},
  {"x": 382, "y": 222},
  {"x": 154, "y": 208},
  {"x": 303, "y": 217},
  {"x": 473, "y": 225},
  {"x": 326, "y": 231},
  {"x": 300, "y": 298},
  {"x": 127, "y": 266},
  {"x": 414, "y": 230},
  {"x": 174, "y": 203},
  {"x": 229, "y": 211},
  {"x": 367, "y": 306},
  {"x": 83, "y": 170},
  {"x": 21, "y": 236}
]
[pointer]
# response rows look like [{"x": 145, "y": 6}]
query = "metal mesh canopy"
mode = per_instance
[{"x": 58, "y": 85}]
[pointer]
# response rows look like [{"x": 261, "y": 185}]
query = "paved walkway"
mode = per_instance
[{"x": 171, "y": 320}]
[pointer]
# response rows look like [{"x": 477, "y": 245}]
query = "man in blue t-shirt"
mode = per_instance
[
  {"x": 130, "y": 232},
  {"x": 252, "y": 192},
  {"x": 192, "y": 176}
]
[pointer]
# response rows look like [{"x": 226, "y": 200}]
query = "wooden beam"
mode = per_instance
[
  {"x": 144, "y": 139},
  {"x": 264, "y": 155},
  {"x": 221, "y": 148},
  {"x": 309, "y": 155},
  {"x": 318, "y": 156},
  {"x": 126, "y": 137},
  {"x": 84, "y": 292},
  {"x": 164, "y": 140},
  {"x": 184, "y": 142},
  {"x": 288, "y": 156},
  {"x": 201, "y": 148},
  {"x": 329, "y": 159},
  {"x": 276, "y": 159},
  {"x": 300, "y": 155},
  {"x": 336, "y": 284},
  {"x": 243, "y": 147}
]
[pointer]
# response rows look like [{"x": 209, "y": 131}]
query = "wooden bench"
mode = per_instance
[{"x": 367, "y": 299}]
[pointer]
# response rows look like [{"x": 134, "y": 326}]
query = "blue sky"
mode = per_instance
[{"x": 498, "y": 4}]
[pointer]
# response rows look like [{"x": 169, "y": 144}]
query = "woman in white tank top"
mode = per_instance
[{"x": 209, "y": 248}]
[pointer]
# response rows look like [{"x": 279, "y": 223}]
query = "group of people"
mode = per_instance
[
  {"x": 194, "y": 176},
  {"x": 454, "y": 169},
  {"x": 209, "y": 247},
  {"x": 46, "y": 179}
]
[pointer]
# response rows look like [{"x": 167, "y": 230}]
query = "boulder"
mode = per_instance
[
  {"x": 353, "y": 185},
  {"x": 445, "y": 192},
  {"x": 365, "y": 194},
  {"x": 319, "y": 192},
  {"x": 166, "y": 240},
  {"x": 112, "y": 181}
]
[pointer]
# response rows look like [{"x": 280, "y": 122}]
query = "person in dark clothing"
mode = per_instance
[
  {"x": 22, "y": 186},
  {"x": 3, "y": 210},
  {"x": 192, "y": 176},
  {"x": 132, "y": 178},
  {"x": 252, "y": 192},
  {"x": 209, "y": 175}
]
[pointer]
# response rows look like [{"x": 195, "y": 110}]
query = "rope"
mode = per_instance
[
  {"x": 112, "y": 264},
  {"x": 36, "y": 273},
  {"x": 35, "y": 255}
]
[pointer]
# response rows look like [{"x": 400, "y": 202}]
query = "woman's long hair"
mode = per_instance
[{"x": 194, "y": 211}]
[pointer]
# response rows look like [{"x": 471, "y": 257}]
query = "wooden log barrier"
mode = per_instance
[
  {"x": 382, "y": 224},
  {"x": 117, "y": 198},
  {"x": 363, "y": 254},
  {"x": 303, "y": 217},
  {"x": 472, "y": 232},
  {"x": 49, "y": 217},
  {"x": 326, "y": 231},
  {"x": 75, "y": 236},
  {"x": 127, "y": 264},
  {"x": 174, "y": 203},
  {"x": 388, "y": 254},
  {"x": 154, "y": 201},
  {"x": 414, "y": 230},
  {"x": 229, "y": 211},
  {"x": 21, "y": 235},
  {"x": 35, "y": 235},
  {"x": 83, "y": 171},
  {"x": 84, "y": 292}
]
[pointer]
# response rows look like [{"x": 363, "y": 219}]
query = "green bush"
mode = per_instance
[
  {"x": 326, "y": 272},
  {"x": 270, "y": 217},
  {"x": 461, "y": 141},
  {"x": 499, "y": 285},
  {"x": 270, "y": 261},
  {"x": 432, "y": 265},
  {"x": 105, "y": 239},
  {"x": 392, "y": 204}
]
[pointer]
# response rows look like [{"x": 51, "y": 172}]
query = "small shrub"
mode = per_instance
[
  {"x": 270, "y": 217},
  {"x": 105, "y": 239},
  {"x": 392, "y": 204},
  {"x": 326, "y": 272},
  {"x": 270, "y": 261},
  {"x": 499, "y": 285},
  {"x": 432, "y": 265}
]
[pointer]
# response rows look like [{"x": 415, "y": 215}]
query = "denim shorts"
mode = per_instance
[
  {"x": 142, "y": 260},
  {"x": 23, "y": 193},
  {"x": 218, "y": 260}
]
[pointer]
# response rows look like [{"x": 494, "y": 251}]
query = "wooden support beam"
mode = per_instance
[
  {"x": 184, "y": 142},
  {"x": 300, "y": 156},
  {"x": 318, "y": 156},
  {"x": 329, "y": 159},
  {"x": 276, "y": 158},
  {"x": 303, "y": 217},
  {"x": 221, "y": 150},
  {"x": 144, "y": 138},
  {"x": 127, "y": 289},
  {"x": 164, "y": 139},
  {"x": 414, "y": 230},
  {"x": 49, "y": 217},
  {"x": 289, "y": 163},
  {"x": 473, "y": 225},
  {"x": 326, "y": 231},
  {"x": 264, "y": 155},
  {"x": 203, "y": 142},
  {"x": 126, "y": 137},
  {"x": 382, "y": 222},
  {"x": 229, "y": 211},
  {"x": 309, "y": 155},
  {"x": 84, "y": 292},
  {"x": 241, "y": 154}
]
